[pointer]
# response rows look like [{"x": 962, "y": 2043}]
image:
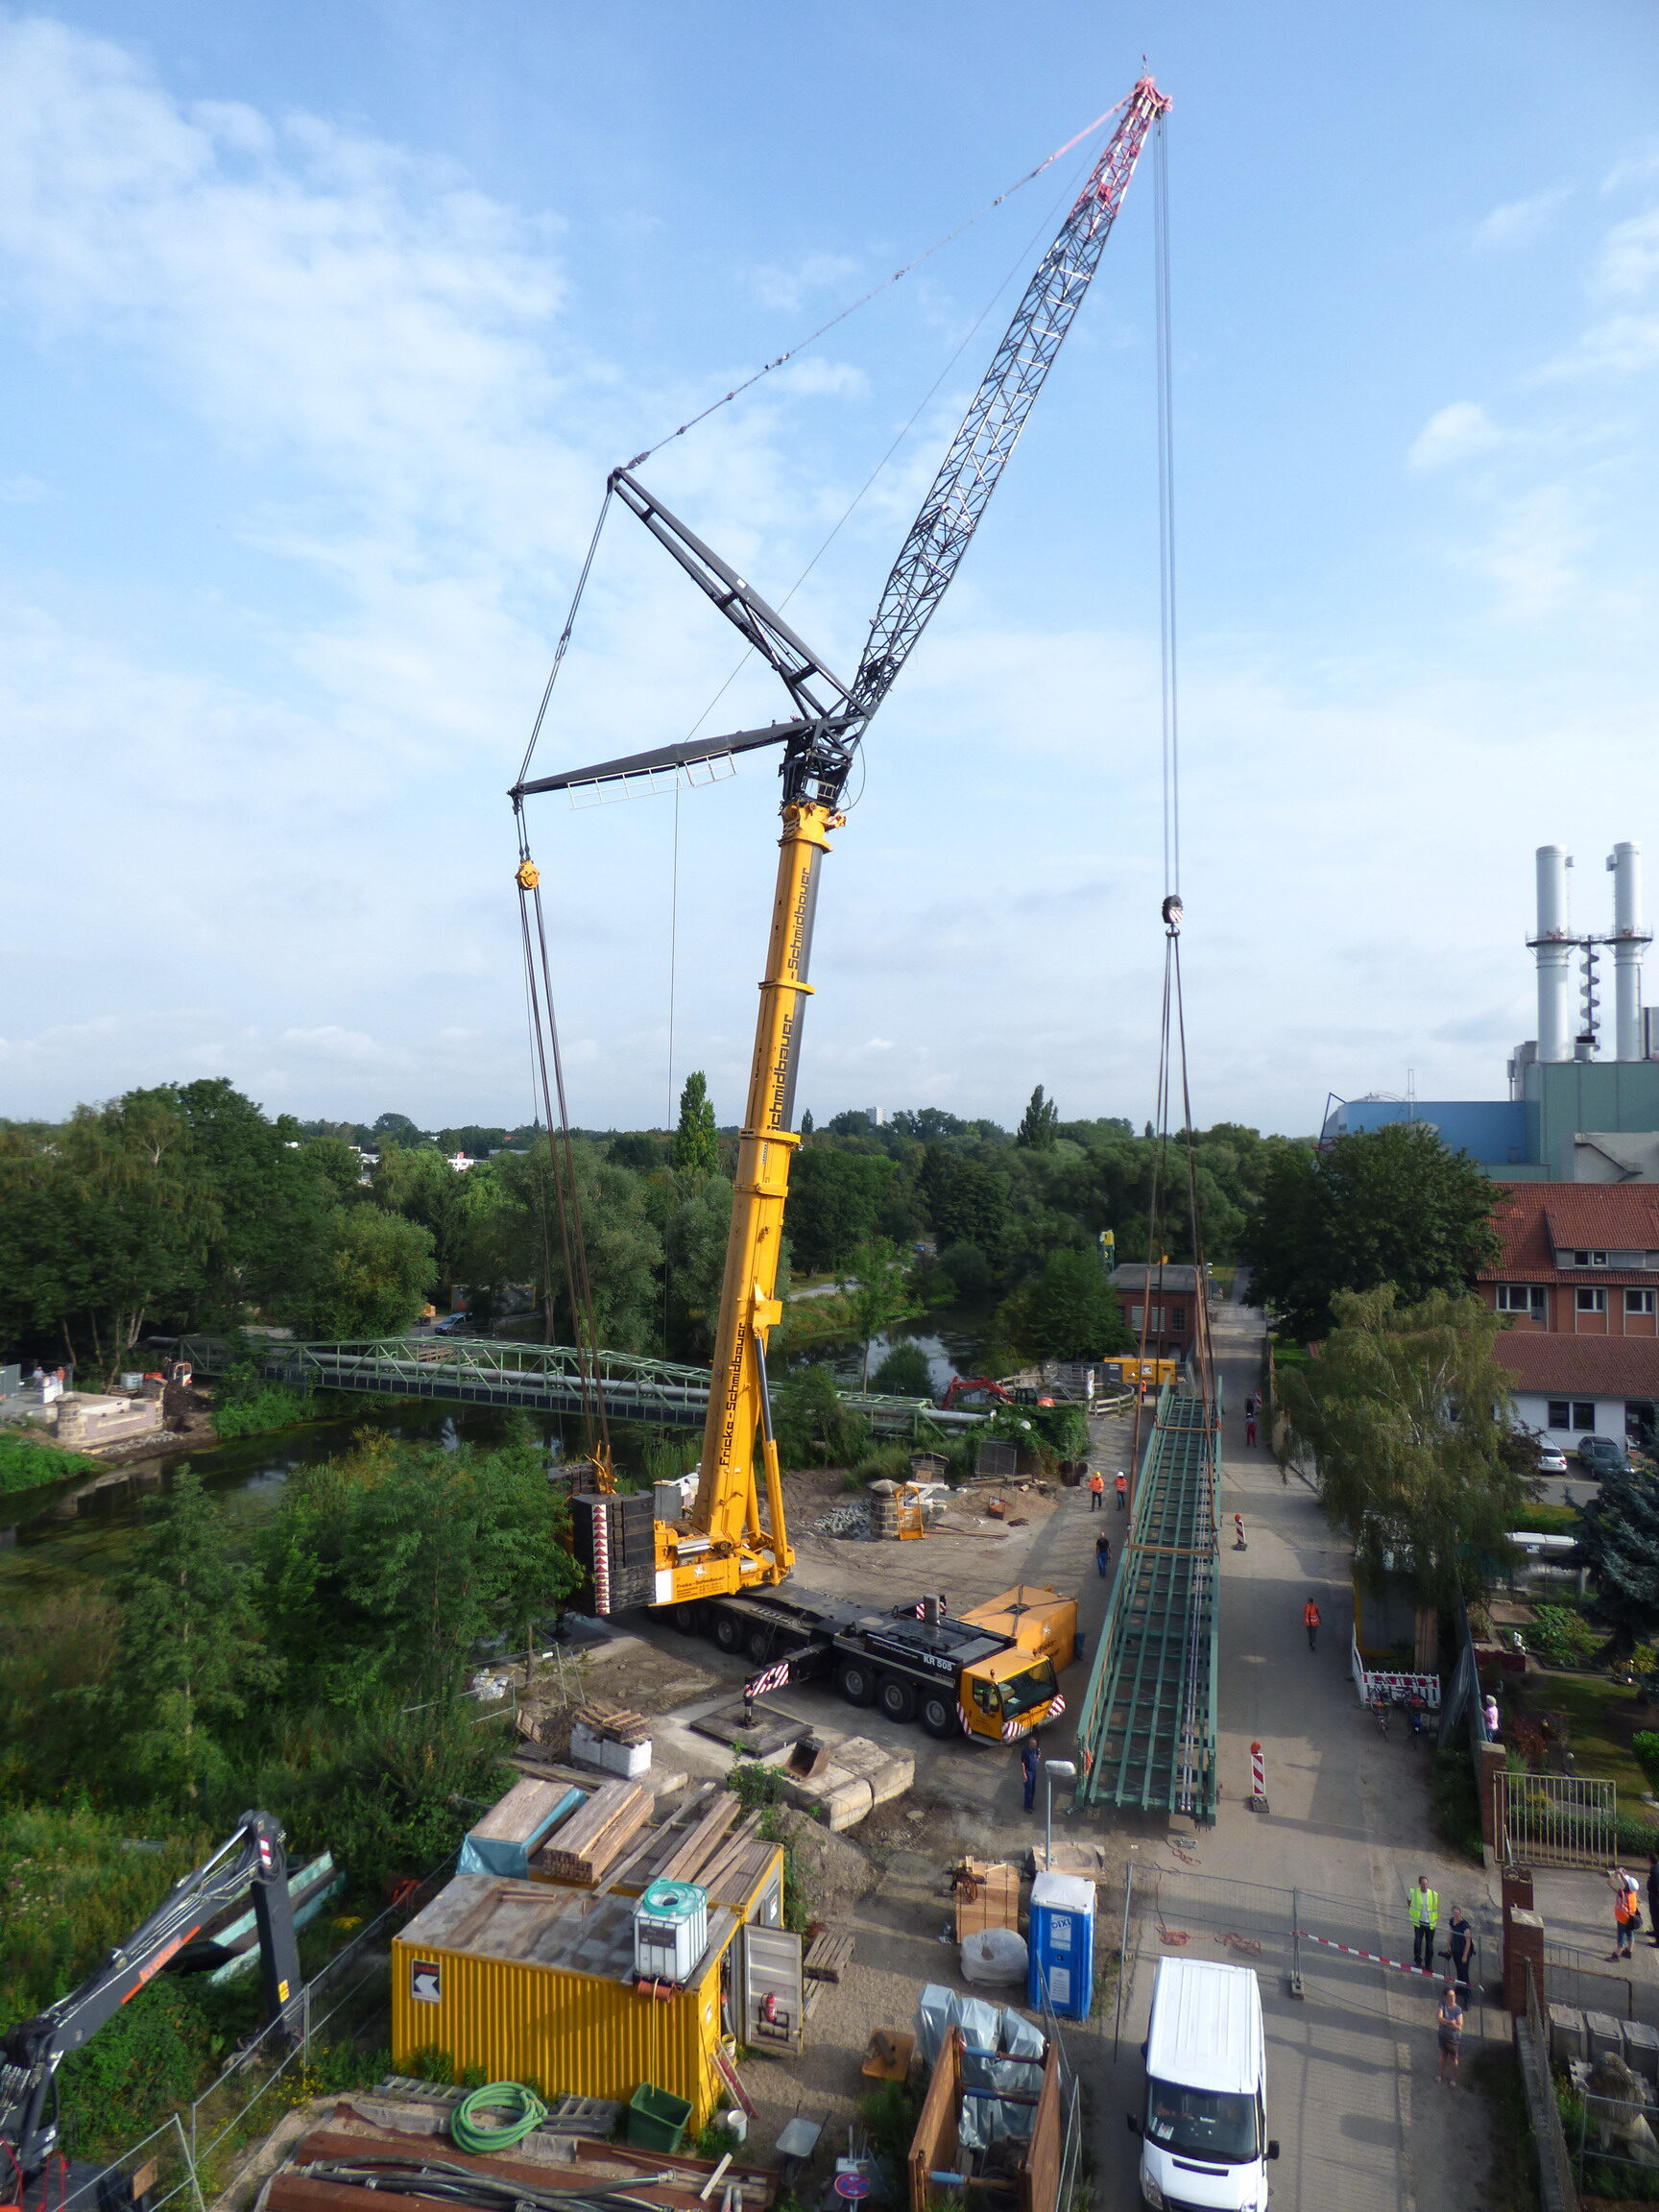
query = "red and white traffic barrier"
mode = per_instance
[
  {"x": 1257, "y": 1779},
  {"x": 1376, "y": 1957}
]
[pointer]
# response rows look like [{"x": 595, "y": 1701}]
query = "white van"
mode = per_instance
[{"x": 1204, "y": 2132}]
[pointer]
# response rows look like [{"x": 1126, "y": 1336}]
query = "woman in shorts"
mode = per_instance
[{"x": 1449, "y": 2027}]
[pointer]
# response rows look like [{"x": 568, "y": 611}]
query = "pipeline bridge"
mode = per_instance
[
  {"x": 1146, "y": 1731},
  {"x": 538, "y": 1378}
]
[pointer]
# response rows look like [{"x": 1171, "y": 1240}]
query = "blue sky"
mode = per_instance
[{"x": 321, "y": 327}]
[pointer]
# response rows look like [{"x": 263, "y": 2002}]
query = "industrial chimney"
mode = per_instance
[
  {"x": 1553, "y": 947},
  {"x": 1629, "y": 940}
]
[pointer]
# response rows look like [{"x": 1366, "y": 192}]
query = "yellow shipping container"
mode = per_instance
[{"x": 536, "y": 1984}]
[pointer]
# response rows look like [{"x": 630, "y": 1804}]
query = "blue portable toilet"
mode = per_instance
[{"x": 1062, "y": 1944}]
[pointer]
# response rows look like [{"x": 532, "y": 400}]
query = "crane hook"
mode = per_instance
[{"x": 1172, "y": 914}]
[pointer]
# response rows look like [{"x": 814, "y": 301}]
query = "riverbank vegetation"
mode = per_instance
[{"x": 186, "y": 1209}]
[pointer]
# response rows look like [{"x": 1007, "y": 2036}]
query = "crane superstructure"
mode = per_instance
[{"x": 725, "y": 1542}]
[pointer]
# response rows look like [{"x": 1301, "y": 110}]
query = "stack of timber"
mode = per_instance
[
  {"x": 987, "y": 1897},
  {"x": 587, "y": 1845},
  {"x": 721, "y": 1849},
  {"x": 615, "y": 1723}
]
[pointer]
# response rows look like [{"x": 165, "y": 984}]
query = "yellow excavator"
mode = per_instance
[{"x": 726, "y": 1543}]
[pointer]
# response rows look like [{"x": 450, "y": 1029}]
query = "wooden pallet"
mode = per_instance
[
  {"x": 829, "y": 1955},
  {"x": 617, "y": 1723},
  {"x": 987, "y": 1897}
]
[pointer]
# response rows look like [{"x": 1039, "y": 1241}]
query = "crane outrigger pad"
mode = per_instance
[{"x": 769, "y": 1730}]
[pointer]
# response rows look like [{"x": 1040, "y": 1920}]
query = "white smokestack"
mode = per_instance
[
  {"x": 1629, "y": 941},
  {"x": 1554, "y": 954}
]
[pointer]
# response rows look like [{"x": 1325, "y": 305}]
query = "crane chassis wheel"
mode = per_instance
[
  {"x": 855, "y": 1682},
  {"x": 897, "y": 1697},
  {"x": 939, "y": 1714}
]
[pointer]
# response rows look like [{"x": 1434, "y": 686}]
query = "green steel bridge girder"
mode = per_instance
[
  {"x": 1147, "y": 1730},
  {"x": 538, "y": 1378}
]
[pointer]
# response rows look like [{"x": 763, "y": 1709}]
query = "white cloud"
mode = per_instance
[
  {"x": 1459, "y": 432},
  {"x": 788, "y": 288},
  {"x": 1518, "y": 222},
  {"x": 1629, "y": 259},
  {"x": 23, "y": 491}
]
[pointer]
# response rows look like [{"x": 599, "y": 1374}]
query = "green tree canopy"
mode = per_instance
[
  {"x": 1040, "y": 1122},
  {"x": 696, "y": 1145},
  {"x": 188, "y": 1650},
  {"x": 372, "y": 1276},
  {"x": 903, "y": 1372},
  {"x": 877, "y": 1293},
  {"x": 1407, "y": 1413},
  {"x": 967, "y": 1201},
  {"x": 1619, "y": 1542},
  {"x": 836, "y": 1200},
  {"x": 1390, "y": 1205},
  {"x": 1068, "y": 1312}
]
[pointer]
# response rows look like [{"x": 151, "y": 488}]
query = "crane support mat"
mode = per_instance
[{"x": 769, "y": 1731}]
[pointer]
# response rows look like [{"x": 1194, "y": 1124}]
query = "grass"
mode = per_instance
[
  {"x": 26, "y": 1462},
  {"x": 1595, "y": 1709}
]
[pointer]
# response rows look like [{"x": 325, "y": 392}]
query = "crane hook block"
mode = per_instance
[
  {"x": 527, "y": 875},
  {"x": 1172, "y": 911}
]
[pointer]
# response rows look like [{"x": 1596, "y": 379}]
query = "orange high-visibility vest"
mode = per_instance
[{"x": 1097, "y": 1482}]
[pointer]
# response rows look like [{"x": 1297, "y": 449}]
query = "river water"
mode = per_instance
[{"x": 56, "y": 1541}]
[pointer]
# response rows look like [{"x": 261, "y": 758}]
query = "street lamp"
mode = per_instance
[{"x": 1066, "y": 1772}]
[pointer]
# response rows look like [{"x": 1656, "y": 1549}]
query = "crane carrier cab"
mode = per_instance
[{"x": 991, "y": 1673}]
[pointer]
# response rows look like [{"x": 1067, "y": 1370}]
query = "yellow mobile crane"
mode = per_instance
[{"x": 726, "y": 1543}]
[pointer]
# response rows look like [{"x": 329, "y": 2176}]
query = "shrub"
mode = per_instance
[
  {"x": 1562, "y": 1637},
  {"x": 903, "y": 1372},
  {"x": 1645, "y": 1743},
  {"x": 258, "y": 1412},
  {"x": 25, "y": 1464}
]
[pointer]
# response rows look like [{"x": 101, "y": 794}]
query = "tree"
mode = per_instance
[
  {"x": 622, "y": 1244},
  {"x": 396, "y": 1129},
  {"x": 879, "y": 1293},
  {"x": 695, "y": 1224},
  {"x": 188, "y": 1648},
  {"x": 696, "y": 1145},
  {"x": 812, "y": 1426},
  {"x": 1406, "y": 1410},
  {"x": 384, "y": 1570},
  {"x": 1069, "y": 1312},
  {"x": 1619, "y": 1542},
  {"x": 836, "y": 1200},
  {"x": 806, "y": 1123},
  {"x": 967, "y": 1201},
  {"x": 372, "y": 1276},
  {"x": 270, "y": 1195},
  {"x": 904, "y": 1373},
  {"x": 1390, "y": 1205},
  {"x": 1040, "y": 1122}
]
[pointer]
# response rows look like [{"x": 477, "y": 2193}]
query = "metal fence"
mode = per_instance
[
  {"x": 194, "y": 2151},
  {"x": 1557, "y": 1821},
  {"x": 1557, "y": 2188}
]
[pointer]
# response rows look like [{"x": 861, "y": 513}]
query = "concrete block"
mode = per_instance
[
  {"x": 859, "y": 1776},
  {"x": 1603, "y": 2038},
  {"x": 1566, "y": 2034},
  {"x": 1641, "y": 2050}
]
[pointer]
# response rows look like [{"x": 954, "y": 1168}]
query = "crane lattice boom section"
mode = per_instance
[{"x": 951, "y": 513}]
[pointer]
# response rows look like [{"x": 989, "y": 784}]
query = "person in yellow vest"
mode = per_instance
[{"x": 1424, "y": 1911}]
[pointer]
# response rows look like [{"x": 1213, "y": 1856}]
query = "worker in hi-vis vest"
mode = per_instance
[{"x": 1424, "y": 1911}]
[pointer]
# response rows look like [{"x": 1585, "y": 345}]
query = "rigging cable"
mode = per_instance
[
  {"x": 852, "y": 309},
  {"x": 1171, "y": 729}
]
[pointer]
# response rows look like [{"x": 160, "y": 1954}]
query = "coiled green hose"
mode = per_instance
[{"x": 524, "y": 2110}]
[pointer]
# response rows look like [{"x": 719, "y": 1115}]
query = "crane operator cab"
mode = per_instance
[
  {"x": 1204, "y": 2132},
  {"x": 1009, "y": 1693}
]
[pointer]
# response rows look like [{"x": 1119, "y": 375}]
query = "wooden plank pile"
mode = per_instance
[
  {"x": 616, "y": 1723},
  {"x": 987, "y": 1897},
  {"x": 315, "y": 2177},
  {"x": 584, "y": 1847}
]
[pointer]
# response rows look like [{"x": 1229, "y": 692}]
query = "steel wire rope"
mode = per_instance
[{"x": 876, "y": 290}]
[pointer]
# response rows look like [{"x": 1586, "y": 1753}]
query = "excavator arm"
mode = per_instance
[{"x": 726, "y": 1543}]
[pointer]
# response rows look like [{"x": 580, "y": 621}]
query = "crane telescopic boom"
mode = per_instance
[{"x": 725, "y": 1544}]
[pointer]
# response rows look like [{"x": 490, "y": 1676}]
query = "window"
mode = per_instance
[
  {"x": 1136, "y": 1314},
  {"x": 1593, "y": 1301},
  {"x": 1560, "y": 1414},
  {"x": 1589, "y": 1259},
  {"x": 1521, "y": 1298},
  {"x": 1575, "y": 1413},
  {"x": 1639, "y": 1301},
  {"x": 1583, "y": 1413},
  {"x": 1178, "y": 1318}
]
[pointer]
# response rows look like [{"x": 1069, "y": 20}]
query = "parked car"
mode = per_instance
[
  {"x": 454, "y": 1324},
  {"x": 1552, "y": 1461},
  {"x": 1602, "y": 1455}
]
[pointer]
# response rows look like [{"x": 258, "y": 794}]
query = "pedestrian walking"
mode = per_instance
[
  {"x": 1121, "y": 1484},
  {"x": 1028, "y": 1765},
  {"x": 1102, "y": 1553},
  {"x": 1423, "y": 1911},
  {"x": 1489, "y": 1714},
  {"x": 1237, "y": 1531},
  {"x": 1096, "y": 1490},
  {"x": 1626, "y": 1911},
  {"x": 1460, "y": 1950},
  {"x": 1311, "y": 1621},
  {"x": 1449, "y": 2033},
  {"x": 1653, "y": 1897},
  {"x": 1250, "y": 1431}
]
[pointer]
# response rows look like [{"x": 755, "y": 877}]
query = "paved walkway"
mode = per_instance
[{"x": 1351, "y": 2094}]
